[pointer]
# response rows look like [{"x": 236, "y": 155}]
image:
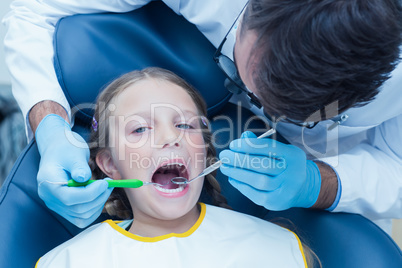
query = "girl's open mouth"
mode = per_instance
[{"x": 164, "y": 174}]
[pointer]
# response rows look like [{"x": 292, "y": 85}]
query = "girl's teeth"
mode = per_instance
[{"x": 169, "y": 191}]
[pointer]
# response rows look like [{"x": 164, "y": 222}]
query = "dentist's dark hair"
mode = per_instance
[
  {"x": 118, "y": 204},
  {"x": 311, "y": 53}
]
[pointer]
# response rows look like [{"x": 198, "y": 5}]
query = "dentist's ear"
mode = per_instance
[{"x": 105, "y": 162}]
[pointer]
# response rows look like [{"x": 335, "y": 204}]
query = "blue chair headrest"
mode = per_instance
[{"x": 91, "y": 53}]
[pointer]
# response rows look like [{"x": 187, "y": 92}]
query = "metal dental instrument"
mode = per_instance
[
  {"x": 112, "y": 183},
  {"x": 211, "y": 168},
  {"x": 182, "y": 180}
]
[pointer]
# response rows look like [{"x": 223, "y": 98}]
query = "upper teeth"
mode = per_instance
[{"x": 171, "y": 164}]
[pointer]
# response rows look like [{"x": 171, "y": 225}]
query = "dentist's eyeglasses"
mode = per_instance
[
  {"x": 234, "y": 83},
  {"x": 307, "y": 124}
]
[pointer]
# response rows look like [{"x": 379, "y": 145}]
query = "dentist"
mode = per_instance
[{"x": 320, "y": 69}]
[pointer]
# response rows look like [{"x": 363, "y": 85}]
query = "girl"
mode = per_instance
[{"x": 151, "y": 125}]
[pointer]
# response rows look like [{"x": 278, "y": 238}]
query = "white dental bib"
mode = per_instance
[{"x": 219, "y": 238}]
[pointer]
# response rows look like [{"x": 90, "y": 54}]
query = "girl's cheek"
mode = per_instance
[
  {"x": 195, "y": 140},
  {"x": 139, "y": 160},
  {"x": 137, "y": 139},
  {"x": 132, "y": 145}
]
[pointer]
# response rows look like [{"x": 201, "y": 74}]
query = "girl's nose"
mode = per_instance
[
  {"x": 169, "y": 137},
  {"x": 171, "y": 144}
]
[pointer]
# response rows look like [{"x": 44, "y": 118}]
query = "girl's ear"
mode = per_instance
[{"x": 105, "y": 162}]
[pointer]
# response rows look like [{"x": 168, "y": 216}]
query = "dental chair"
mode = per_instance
[{"x": 92, "y": 50}]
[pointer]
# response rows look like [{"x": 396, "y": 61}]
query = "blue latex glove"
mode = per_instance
[
  {"x": 64, "y": 156},
  {"x": 271, "y": 174}
]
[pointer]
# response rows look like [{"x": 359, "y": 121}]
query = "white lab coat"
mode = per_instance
[{"x": 365, "y": 151}]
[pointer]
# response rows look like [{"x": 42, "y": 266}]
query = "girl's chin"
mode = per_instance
[{"x": 171, "y": 211}]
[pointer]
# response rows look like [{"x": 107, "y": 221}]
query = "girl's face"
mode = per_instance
[{"x": 155, "y": 135}]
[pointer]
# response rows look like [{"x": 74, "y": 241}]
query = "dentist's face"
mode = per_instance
[
  {"x": 157, "y": 136},
  {"x": 242, "y": 57}
]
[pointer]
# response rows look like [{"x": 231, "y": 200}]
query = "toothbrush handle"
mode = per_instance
[
  {"x": 112, "y": 183},
  {"x": 125, "y": 183}
]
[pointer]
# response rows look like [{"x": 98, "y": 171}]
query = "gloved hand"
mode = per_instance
[
  {"x": 64, "y": 156},
  {"x": 270, "y": 173}
]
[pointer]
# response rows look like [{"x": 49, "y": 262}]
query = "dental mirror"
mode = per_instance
[{"x": 180, "y": 180}]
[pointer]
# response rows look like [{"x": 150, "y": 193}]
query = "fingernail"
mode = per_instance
[{"x": 244, "y": 135}]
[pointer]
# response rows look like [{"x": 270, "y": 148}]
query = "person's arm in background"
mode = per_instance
[
  {"x": 43, "y": 108},
  {"x": 29, "y": 57},
  {"x": 329, "y": 189}
]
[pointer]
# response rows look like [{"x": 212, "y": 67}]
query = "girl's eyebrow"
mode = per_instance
[
  {"x": 188, "y": 115},
  {"x": 190, "y": 112}
]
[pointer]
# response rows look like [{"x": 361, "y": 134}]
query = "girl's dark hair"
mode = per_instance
[
  {"x": 312, "y": 53},
  {"x": 118, "y": 204}
]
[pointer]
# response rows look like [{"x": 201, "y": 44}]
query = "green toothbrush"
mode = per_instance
[{"x": 112, "y": 183}]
